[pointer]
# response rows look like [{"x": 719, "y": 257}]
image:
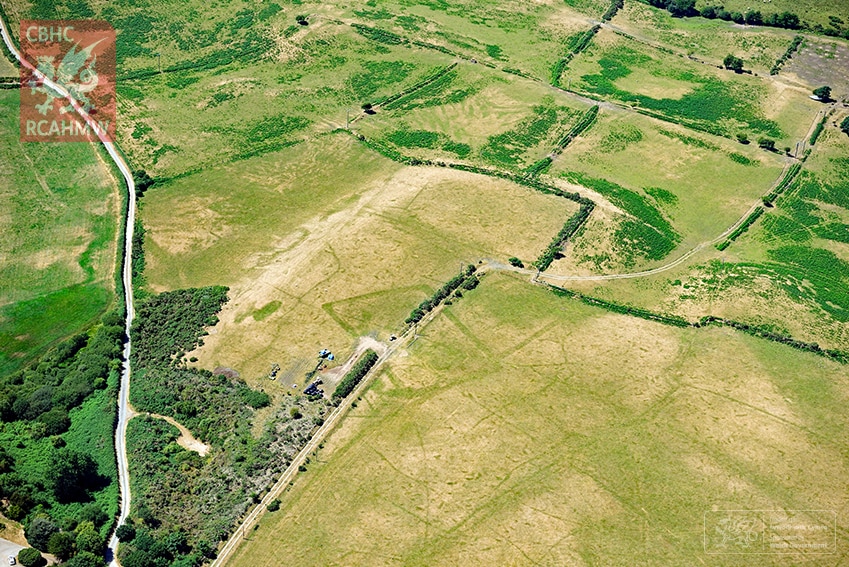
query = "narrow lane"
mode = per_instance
[{"x": 127, "y": 277}]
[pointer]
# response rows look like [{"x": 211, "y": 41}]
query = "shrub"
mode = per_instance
[
  {"x": 844, "y": 126},
  {"x": 61, "y": 545},
  {"x": 274, "y": 505},
  {"x": 125, "y": 533},
  {"x": 39, "y": 531},
  {"x": 29, "y": 557},
  {"x": 733, "y": 63},
  {"x": 515, "y": 262},
  {"x": 766, "y": 144},
  {"x": 742, "y": 138}
]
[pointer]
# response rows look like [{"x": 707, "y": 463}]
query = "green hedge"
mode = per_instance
[
  {"x": 466, "y": 278},
  {"x": 570, "y": 228},
  {"x": 750, "y": 220},
  {"x": 355, "y": 375}
]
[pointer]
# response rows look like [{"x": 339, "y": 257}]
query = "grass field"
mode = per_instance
[
  {"x": 709, "y": 40},
  {"x": 314, "y": 263},
  {"x": 810, "y": 11},
  {"x": 702, "y": 184},
  {"x": 58, "y": 234},
  {"x": 527, "y": 429},
  {"x": 695, "y": 95}
]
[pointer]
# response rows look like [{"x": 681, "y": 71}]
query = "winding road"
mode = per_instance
[{"x": 127, "y": 277}]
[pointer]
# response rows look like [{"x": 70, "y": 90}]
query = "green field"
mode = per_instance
[
  {"x": 697, "y": 96},
  {"x": 705, "y": 39},
  {"x": 677, "y": 182},
  {"x": 526, "y": 429},
  {"x": 58, "y": 235}
]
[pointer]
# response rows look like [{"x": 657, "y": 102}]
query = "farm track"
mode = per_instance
[{"x": 126, "y": 275}]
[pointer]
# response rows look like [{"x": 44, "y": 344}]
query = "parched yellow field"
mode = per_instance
[
  {"x": 317, "y": 255},
  {"x": 526, "y": 429}
]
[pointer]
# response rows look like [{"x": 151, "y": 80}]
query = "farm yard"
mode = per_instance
[{"x": 599, "y": 277}]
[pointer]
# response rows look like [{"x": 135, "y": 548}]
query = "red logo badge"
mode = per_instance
[{"x": 67, "y": 81}]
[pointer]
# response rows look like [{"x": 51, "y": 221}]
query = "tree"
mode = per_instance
[
  {"x": 88, "y": 539},
  {"x": 85, "y": 559},
  {"x": 766, "y": 144},
  {"x": 29, "y": 557},
  {"x": 61, "y": 544},
  {"x": 753, "y": 18},
  {"x": 681, "y": 8},
  {"x": 742, "y": 138},
  {"x": 71, "y": 474},
  {"x": 38, "y": 532},
  {"x": 125, "y": 533},
  {"x": 844, "y": 126},
  {"x": 515, "y": 262},
  {"x": 274, "y": 505},
  {"x": 823, "y": 93},
  {"x": 733, "y": 63}
]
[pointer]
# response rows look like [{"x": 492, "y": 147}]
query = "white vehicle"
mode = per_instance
[{"x": 12, "y": 560}]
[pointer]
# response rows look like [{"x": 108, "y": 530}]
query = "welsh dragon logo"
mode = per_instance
[{"x": 72, "y": 74}]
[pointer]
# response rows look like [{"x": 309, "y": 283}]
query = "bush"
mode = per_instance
[
  {"x": 29, "y": 557},
  {"x": 125, "y": 533},
  {"x": 844, "y": 126},
  {"x": 733, "y": 63},
  {"x": 274, "y": 505},
  {"x": 39, "y": 531},
  {"x": 515, "y": 262},
  {"x": 742, "y": 138},
  {"x": 766, "y": 144},
  {"x": 61, "y": 545}
]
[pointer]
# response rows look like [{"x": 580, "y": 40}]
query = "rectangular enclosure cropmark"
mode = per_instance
[{"x": 67, "y": 81}]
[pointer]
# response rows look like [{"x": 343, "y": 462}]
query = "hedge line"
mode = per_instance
[
  {"x": 355, "y": 375},
  {"x": 797, "y": 41},
  {"x": 421, "y": 84},
  {"x": 676, "y": 321},
  {"x": 756, "y": 331},
  {"x": 672, "y": 320},
  {"x": 750, "y": 220},
  {"x": 585, "y": 122},
  {"x": 615, "y": 6},
  {"x": 782, "y": 186},
  {"x": 580, "y": 43},
  {"x": 570, "y": 228},
  {"x": 818, "y": 130},
  {"x": 466, "y": 278}
]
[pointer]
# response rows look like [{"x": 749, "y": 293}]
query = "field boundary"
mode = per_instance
[{"x": 708, "y": 320}]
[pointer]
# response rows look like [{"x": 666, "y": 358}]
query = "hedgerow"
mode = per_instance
[
  {"x": 794, "y": 45},
  {"x": 578, "y": 43},
  {"x": 744, "y": 226},
  {"x": 785, "y": 182},
  {"x": 585, "y": 122},
  {"x": 818, "y": 130},
  {"x": 465, "y": 278},
  {"x": 569, "y": 229},
  {"x": 355, "y": 375}
]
